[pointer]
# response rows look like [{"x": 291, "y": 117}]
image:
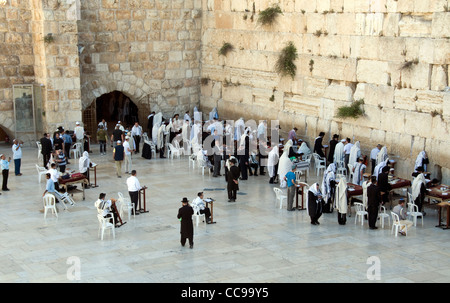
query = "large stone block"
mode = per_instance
[
  {"x": 372, "y": 71},
  {"x": 440, "y": 27}
]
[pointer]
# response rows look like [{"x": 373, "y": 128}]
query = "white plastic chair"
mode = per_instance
[
  {"x": 76, "y": 150},
  {"x": 360, "y": 212},
  {"x": 397, "y": 225},
  {"x": 382, "y": 215},
  {"x": 173, "y": 151},
  {"x": 201, "y": 162},
  {"x": 319, "y": 163},
  {"x": 413, "y": 211},
  {"x": 125, "y": 205},
  {"x": 350, "y": 172},
  {"x": 197, "y": 215},
  {"x": 192, "y": 160},
  {"x": 105, "y": 224},
  {"x": 176, "y": 144},
  {"x": 298, "y": 175},
  {"x": 41, "y": 172},
  {"x": 39, "y": 145},
  {"x": 49, "y": 201},
  {"x": 340, "y": 168},
  {"x": 279, "y": 196}
]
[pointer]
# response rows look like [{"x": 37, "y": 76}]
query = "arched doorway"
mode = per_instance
[{"x": 113, "y": 107}]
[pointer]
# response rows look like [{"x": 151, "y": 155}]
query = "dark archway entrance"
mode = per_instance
[{"x": 116, "y": 106}]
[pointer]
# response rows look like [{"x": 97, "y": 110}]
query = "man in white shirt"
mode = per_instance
[
  {"x": 136, "y": 132},
  {"x": 54, "y": 175},
  {"x": 17, "y": 156},
  {"x": 120, "y": 126},
  {"x": 201, "y": 205},
  {"x": 133, "y": 189},
  {"x": 79, "y": 134},
  {"x": 373, "y": 156},
  {"x": 127, "y": 160},
  {"x": 347, "y": 148}
]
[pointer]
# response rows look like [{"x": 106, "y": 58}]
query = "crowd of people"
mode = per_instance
[{"x": 246, "y": 149}]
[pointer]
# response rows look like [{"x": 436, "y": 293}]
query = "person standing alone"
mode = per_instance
[
  {"x": 118, "y": 156},
  {"x": 373, "y": 202},
  {"x": 186, "y": 227},
  {"x": 4, "y": 165},
  {"x": 17, "y": 156}
]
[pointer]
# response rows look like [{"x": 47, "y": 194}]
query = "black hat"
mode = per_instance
[{"x": 185, "y": 200}]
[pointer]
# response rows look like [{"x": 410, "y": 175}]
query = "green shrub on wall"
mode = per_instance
[
  {"x": 268, "y": 16},
  {"x": 285, "y": 65},
  {"x": 352, "y": 111}
]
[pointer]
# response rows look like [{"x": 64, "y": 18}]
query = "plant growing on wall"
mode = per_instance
[
  {"x": 49, "y": 38},
  {"x": 225, "y": 49},
  {"x": 352, "y": 111},
  {"x": 268, "y": 16},
  {"x": 407, "y": 65},
  {"x": 285, "y": 65}
]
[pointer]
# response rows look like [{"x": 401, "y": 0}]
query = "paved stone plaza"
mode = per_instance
[{"x": 253, "y": 240}]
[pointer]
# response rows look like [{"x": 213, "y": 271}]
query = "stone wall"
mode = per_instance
[
  {"x": 348, "y": 50},
  {"x": 147, "y": 49}
]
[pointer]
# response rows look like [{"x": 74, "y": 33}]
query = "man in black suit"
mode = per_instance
[
  {"x": 186, "y": 228},
  {"x": 233, "y": 180},
  {"x": 373, "y": 202},
  {"x": 383, "y": 184},
  {"x": 47, "y": 147},
  {"x": 318, "y": 145}
]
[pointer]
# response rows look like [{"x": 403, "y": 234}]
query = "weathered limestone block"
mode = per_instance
[
  {"x": 440, "y": 25},
  {"x": 343, "y": 69},
  {"x": 338, "y": 92},
  {"x": 418, "y": 124},
  {"x": 439, "y": 78},
  {"x": 393, "y": 120},
  {"x": 415, "y": 26},
  {"x": 416, "y": 76},
  {"x": 375, "y": 95},
  {"x": 405, "y": 99},
  {"x": 430, "y": 101},
  {"x": 306, "y": 5},
  {"x": 302, "y": 105},
  {"x": 371, "y": 71}
]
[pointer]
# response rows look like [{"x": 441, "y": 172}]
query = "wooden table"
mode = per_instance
[
  {"x": 208, "y": 202},
  {"x": 441, "y": 206},
  {"x": 75, "y": 180},
  {"x": 94, "y": 166},
  {"x": 301, "y": 192},
  {"x": 440, "y": 193}
]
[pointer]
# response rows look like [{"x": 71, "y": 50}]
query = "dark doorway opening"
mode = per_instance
[{"x": 116, "y": 106}]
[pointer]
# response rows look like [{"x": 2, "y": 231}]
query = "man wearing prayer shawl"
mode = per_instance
[
  {"x": 84, "y": 163},
  {"x": 239, "y": 127},
  {"x": 381, "y": 156},
  {"x": 304, "y": 149},
  {"x": 285, "y": 164},
  {"x": 418, "y": 189},
  {"x": 314, "y": 203},
  {"x": 358, "y": 170},
  {"x": 328, "y": 186},
  {"x": 272, "y": 163},
  {"x": 421, "y": 161},
  {"x": 341, "y": 201},
  {"x": 355, "y": 153},
  {"x": 339, "y": 155}
]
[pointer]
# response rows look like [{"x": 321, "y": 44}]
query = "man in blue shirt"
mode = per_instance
[
  {"x": 4, "y": 165},
  {"x": 50, "y": 186},
  {"x": 290, "y": 178},
  {"x": 67, "y": 144}
]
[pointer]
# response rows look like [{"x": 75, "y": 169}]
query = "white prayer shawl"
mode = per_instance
[
  {"x": 157, "y": 119},
  {"x": 160, "y": 141},
  {"x": 272, "y": 161},
  {"x": 379, "y": 167},
  {"x": 239, "y": 128},
  {"x": 261, "y": 131},
  {"x": 83, "y": 163},
  {"x": 155, "y": 131},
  {"x": 185, "y": 130},
  {"x": 339, "y": 154},
  {"x": 341, "y": 196},
  {"x": 196, "y": 132},
  {"x": 329, "y": 175},
  {"x": 365, "y": 185},
  {"x": 304, "y": 149},
  {"x": 287, "y": 146},
  {"x": 197, "y": 115},
  {"x": 355, "y": 153},
  {"x": 132, "y": 143},
  {"x": 313, "y": 188},
  {"x": 415, "y": 187},
  {"x": 284, "y": 167},
  {"x": 382, "y": 155},
  {"x": 419, "y": 160},
  {"x": 357, "y": 178},
  {"x": 242, "y": 140}
]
